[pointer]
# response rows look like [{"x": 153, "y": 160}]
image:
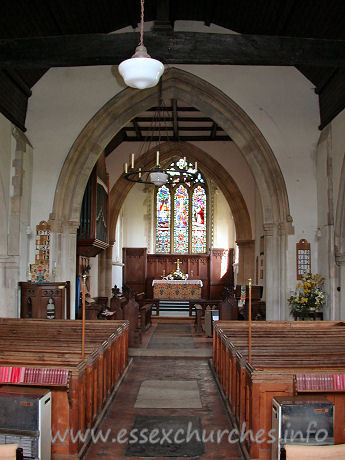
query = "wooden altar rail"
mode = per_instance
[
  {"x": 57, "y": 344},
  {"x": 280, "y": 350}
]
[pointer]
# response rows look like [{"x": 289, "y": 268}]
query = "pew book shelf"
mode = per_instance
[
  {"x": 319, "y": 383},
  {"x": 37, "y": 377}
]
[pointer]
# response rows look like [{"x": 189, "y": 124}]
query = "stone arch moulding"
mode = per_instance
[
  {"x": 178, "y": 84},
  {"x": 209, "y": 166},
  {"x": 126, "y": 105}
]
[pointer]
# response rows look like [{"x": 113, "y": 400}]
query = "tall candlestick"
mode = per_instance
[
  {"x": 132, "y": 159},
  {"x": 184, "y": 161},
  {"x": 126, "y": 168},
  {"x": 83, "y": 318},
  {"x": 196, "y": 166},
  {"x": 157, "y": 158}
]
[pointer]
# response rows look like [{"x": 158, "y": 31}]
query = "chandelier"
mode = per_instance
[
  {"x": 141, "y": 71},
  {"x": 160, "y": 176},
  {"x": 183, "y": 172}
]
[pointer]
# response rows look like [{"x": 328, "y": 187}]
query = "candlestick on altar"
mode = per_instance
[
  {"x": 132, "y": 161},
  {"x": 157, "y": 158},
  {"x": 83, "y": 319},
  {"x": 250, "y": 321}
]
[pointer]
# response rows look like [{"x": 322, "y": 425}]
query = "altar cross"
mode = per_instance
[{"x": 177, "y": 264}]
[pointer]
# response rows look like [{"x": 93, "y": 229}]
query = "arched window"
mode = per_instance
[{"x": 181, "y": 214}]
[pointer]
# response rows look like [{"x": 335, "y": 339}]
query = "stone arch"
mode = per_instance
[
  {"x": 178, "y": 84},
  {"x": 126, "y": 105},
  {"x": 209, "y": 166}
]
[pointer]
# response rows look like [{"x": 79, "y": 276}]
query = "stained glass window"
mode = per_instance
[
  {"x": 163, "y": 220},
  {"x": 181, "y": 220},
  {"x": 181, "y": 217},
  {"x": 199, "y": 220}
]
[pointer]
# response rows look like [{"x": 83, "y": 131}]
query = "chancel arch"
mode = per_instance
[{"x": 227, "y": 114}]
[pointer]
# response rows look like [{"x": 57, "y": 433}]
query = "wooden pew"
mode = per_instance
[
  {"x": 280, "y": 350},
  {"x": 57, "y": 345}
]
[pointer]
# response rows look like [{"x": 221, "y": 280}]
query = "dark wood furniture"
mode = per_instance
[
  {"x": 213, "y": 269},
  {"x": 313, "y": 315},
  {"x": 258, "y": 306},
  {"x": 280, "y": 350},
  {"x": 197, "y": 321},
  {"x": 82, "y": 403},
  {"x": 145, "y": 314},
  {"x": 35, "y": 297},
  {"x": 93, "y": 233}
]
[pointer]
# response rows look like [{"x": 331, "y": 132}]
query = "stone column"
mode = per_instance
[
  {"x": 109, "y": 270},
  {"x": 275, "y": 272},
  {"x": 246, "y": 261},
  {"x": 63, "y": 252},
  {"x": 101, "y": 273},
  {"x": 105, "y": 269}
]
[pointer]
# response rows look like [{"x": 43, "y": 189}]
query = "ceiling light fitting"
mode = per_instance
[
  {"x": 160, "y": 176},
  {"x": 141, "y": 71}
]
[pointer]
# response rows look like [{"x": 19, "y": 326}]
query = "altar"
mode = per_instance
[{"x": 177, "y": 289}]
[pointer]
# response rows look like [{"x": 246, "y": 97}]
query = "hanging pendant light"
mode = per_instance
[{"x": 141, "y": 71}]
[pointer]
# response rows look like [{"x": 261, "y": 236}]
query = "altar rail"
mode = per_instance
[
  {"x": 80, "y": 403},
  {"x": 280, "y": 351}
]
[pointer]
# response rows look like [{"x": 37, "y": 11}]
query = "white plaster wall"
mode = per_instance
[
  {"x": 62, "y": 103},
  {"x": 226, "y": 153},
  {"x": 134, "y": 232},
  {"x": 231, "y": 158},
  {"x": 224, "y": 234},
  {"x": 280, "y": 101}
]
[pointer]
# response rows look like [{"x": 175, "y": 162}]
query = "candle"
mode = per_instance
[
  {"x": 126, "y": 168},
  {"x": 184, "y": 161},
  {"x": 157, "y": 158},
  {"x": 132, "y": 165},
  {"x": 196, "y": 165}
]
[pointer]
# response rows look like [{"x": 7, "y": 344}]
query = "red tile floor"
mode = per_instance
[{"x": 122, "y": 413}]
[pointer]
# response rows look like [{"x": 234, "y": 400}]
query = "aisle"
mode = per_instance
[{"x": 171, "y": 399}]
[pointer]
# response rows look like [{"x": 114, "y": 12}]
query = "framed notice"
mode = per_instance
[{"x": 303, "y": 258}]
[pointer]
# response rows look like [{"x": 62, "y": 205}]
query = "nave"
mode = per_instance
[{"x": 168, "y": 386}]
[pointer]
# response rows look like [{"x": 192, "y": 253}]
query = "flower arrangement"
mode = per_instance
[
  {"x": 309, "y": 295},
  {"x": 176, "y": 275}
]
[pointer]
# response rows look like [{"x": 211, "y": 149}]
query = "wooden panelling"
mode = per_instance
[
  {"x": 134, "y": 270},
  {"x": 35, "y": 299},
  {"x": 214, "y": 270}
]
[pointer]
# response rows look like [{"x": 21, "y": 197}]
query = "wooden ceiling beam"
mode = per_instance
[
  {"x": 179, "y": 119},
  {"x": 213, "y": 131},
  {"x": 137, "y": 130},
  {"x": 171, "y": 48},
  {"x": 116, "y": 141},
  {"x": 170, "y": 128},
  {"x": 182, "y": 138}
]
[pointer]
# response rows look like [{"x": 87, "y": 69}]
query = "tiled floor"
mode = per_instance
[{"x": 123, "y": 415}]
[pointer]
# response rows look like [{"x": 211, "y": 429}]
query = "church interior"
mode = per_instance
[{"x": 172, "y": 252}]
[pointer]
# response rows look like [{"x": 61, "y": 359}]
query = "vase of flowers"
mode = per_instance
[{"x": 308, "y": 297}]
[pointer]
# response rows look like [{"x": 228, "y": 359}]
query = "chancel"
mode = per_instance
[{"x": 168, "y": 240}]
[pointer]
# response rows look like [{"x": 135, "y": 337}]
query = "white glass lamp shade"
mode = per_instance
[
  {"x": 141, "y": 72},
  {"x": 158, "y": 178}
]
